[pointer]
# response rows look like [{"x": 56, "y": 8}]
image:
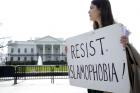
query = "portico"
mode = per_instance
[{"x": 49, "y": 51}]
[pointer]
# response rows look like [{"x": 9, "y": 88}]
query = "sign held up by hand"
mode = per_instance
[{"x": 97, "y": 60}]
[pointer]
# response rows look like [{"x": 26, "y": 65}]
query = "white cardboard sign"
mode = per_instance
[{"x": 97, "y": 60}]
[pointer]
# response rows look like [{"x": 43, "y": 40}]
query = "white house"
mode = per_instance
[{"x": 49, "y": 48}]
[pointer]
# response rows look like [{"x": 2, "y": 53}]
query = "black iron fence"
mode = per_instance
[
  {"x": 25, "y": 72},
  {"x": 7, "y": 72}
]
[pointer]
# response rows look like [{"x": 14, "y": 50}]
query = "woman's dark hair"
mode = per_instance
[{"x": 106, "y": 12}]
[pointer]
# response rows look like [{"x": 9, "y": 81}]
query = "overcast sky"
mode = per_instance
[{"x": 26, "y": 19}]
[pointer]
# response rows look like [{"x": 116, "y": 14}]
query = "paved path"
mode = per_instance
[{"x": 40, "y": 86}]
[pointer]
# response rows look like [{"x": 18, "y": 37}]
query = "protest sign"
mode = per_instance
[{"x": 97, "y": 60}]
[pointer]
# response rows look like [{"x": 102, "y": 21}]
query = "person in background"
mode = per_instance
[{"x": 100, "y": 14}]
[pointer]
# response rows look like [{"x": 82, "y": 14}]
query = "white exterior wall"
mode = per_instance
[
  {"x": 22, "y": 51},
  {"x": 53, "y": 42}
]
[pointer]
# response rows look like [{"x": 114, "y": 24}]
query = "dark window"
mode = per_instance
[
  {"x": 25, "y": 50},
  {"x": 32, "y": 50},
  {"x": 11, "y": 59},
  {"x": 25, "y": 58},
  {"x": 49, "y": 57},
  {"x": 18, "y": 58},
  {"x": 57, "y": 50},
  {"x": 18, "y": 50},
  {"x": 56, "y": 58},
  {"x": 6, "y": 59},
  {"x": 12, "y": 50},
  {"x": 32, "y": 58}
]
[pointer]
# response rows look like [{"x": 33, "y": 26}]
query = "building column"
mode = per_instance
[
  {"x": 35, "y": 52},
  {"x": 61, "y": 52},
  {"x": 60, "y": 49},
  {"x": 52, "y": 52},
  {"x": 43, "y": 53},
  {"x": 52, "y": 49}
]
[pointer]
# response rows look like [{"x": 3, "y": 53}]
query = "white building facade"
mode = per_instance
[{"x": 49, "y": 48}]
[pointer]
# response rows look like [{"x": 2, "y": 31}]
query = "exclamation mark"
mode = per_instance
[{"x": 123, "y": 70}]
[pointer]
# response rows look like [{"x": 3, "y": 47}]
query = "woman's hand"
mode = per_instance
[{"x": 124, "y": 40}]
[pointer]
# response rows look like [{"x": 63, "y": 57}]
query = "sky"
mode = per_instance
[{"x": 22, "y": 20}]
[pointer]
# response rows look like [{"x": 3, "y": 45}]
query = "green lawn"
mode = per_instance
[{"x": 30, "y": 69}]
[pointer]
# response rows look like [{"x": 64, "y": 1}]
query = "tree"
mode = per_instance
[{"x": 3, "y": 44}]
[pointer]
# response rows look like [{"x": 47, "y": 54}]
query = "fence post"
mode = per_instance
[
  {"x": 52, "y": 77},
  {"x": 15, "y": 76}
]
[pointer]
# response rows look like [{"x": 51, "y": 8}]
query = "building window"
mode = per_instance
[
  {"x": 32, "y": 50},
  {"x": 18, "y": 58},
  {"x": 57, "y": 50},
  {"x": 12, "y": 50},
  {"x": 18, "y": 50},
  {"x": 11, "y": 59},
  {"x": 49, "y": 57},
  {"x": 56, "y": 58},
  {"x": 25, "y": 58},
  {"x": 25, "y": 50},
  {"x": 32, "y": 58}
]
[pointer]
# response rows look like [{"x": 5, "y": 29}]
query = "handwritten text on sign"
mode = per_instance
[{"x": 96, "y": 60}]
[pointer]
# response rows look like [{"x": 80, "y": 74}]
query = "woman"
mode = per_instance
[{"x": 101, "y": 15}]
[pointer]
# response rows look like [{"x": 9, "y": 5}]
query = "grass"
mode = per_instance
[{"x": 33, "y": 69}]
